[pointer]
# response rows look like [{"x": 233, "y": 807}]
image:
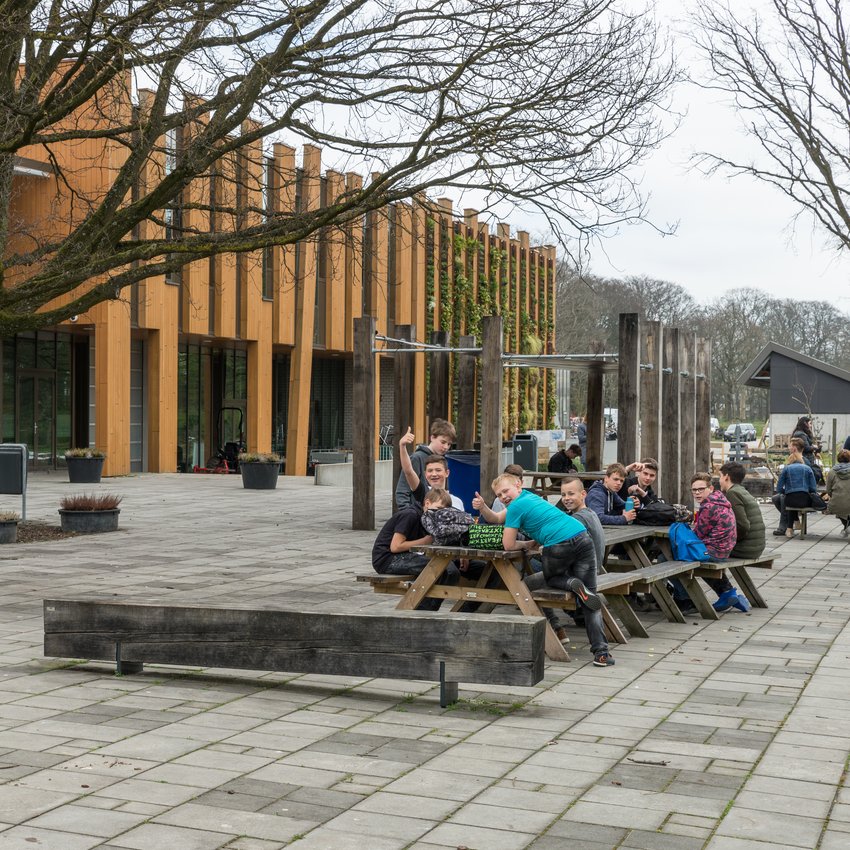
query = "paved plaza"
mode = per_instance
[{"x": 728, "y": 735}]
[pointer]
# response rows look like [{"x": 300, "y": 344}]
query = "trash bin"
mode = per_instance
[
  {"x": 525, "y": 451},
  {"x": 464, "y": 475}
]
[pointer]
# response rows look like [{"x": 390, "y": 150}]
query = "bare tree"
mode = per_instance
[
  {"x": 546, "y": 103},
  {"x": 789, "y": 76}
]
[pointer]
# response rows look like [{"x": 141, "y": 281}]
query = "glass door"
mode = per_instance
[{"x": 36, "y": 417}]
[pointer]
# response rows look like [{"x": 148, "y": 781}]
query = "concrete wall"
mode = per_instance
[{"x": 339, "y": 475}]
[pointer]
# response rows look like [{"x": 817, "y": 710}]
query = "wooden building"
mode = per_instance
[{"x": 162, "y": 374}]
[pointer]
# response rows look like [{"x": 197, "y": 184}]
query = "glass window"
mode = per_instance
[
  {"x": 26, "y": 358},
  {"x": 64, "y": 390},
  {"x": 9, "y": 390},
  {"x": 46, "y": 351}
]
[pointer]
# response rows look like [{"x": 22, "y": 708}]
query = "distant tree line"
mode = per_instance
[{"x": 738, "y": 323}]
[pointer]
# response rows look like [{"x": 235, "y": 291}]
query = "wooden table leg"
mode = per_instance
[
  {"x": 620, "y": 606},
  {"x": 482, "y": 582},
  {"x": 658, "y": 589},
  {"x": 745, "y": 582},
  {"x": 420, "y": 586},
  {"x": 698, "y": 597},
  {"x": 522, "y": 596},
  {"x": 615, "y": 633}
]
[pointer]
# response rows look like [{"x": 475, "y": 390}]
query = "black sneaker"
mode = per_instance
[
  {"x": 603, "y": 659},
  {"x": 587, "y": 597}
]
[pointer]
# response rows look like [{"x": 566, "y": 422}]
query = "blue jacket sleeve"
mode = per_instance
[
  {"x": 597, "y": 501},
  {"x": 811, "y": 480},
  {"x": 783, "y": 481}
]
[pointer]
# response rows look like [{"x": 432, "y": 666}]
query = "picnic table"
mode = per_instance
[
  {"x": 544, "y": 483},
  {"x": 508, "y": 565}
]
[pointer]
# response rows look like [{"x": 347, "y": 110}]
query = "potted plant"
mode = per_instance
[
  {"x": 260, "y": 470},
  {"x": 9, "y": 526},
  {"x": 85, "y": 466},
  {"x": 89, "y": 513}
]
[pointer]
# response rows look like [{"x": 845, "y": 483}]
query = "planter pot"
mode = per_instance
[
  {"x": 90, "y": 522},
  {"x": 9, "y": 531},
  {"x": 260, "y": 476},
  {"x": 84, "y": 470}
]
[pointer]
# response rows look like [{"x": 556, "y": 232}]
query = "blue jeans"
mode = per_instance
[
  {"x": 574, "y": 558},
  {"x": 407, "y": 563}
]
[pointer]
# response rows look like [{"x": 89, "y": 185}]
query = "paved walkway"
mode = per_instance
[{"x": 732, "y": 735}]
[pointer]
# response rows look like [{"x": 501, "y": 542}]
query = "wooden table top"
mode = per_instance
[
  {"x": 615, "y": 534},
  {"x": 467, "y": 552}
]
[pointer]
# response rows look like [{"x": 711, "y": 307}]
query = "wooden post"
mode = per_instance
[
  {"x": 465, "y": 424},
  {"x": 363, "y": 438},
  {"x": 628, "y": 395},
  {"x": 687, "y": 454},
  {"x": 650, "y": 394},
  {"x": 595, "y": 419},
  {"x": 492, "y": 373},
  {"x": 702, "y": 457},
  {"x": 671, "y": 382},
  {"x": 438, "y": 387},
  {"x": 402, "y": 398}
]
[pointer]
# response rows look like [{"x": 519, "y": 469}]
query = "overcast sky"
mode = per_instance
[{"x": 731, "y": 232}]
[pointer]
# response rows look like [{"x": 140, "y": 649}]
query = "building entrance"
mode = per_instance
[{"x": 36, "y": 393}]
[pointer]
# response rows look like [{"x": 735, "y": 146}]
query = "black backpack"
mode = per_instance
[{"x": 660, "y": 513}]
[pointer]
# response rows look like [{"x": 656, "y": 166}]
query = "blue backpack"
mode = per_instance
[{"x": 685, "y": 544}]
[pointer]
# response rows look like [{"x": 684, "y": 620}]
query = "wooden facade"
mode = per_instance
[{"x": 418, "y": 264}]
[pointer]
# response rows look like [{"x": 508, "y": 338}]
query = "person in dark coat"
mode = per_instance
[
  {"x": 562, "y": 460},
  {"x": 803, "y": 432}
]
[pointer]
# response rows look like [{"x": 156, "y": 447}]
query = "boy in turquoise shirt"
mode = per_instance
[{"x": 569, "y": 559}]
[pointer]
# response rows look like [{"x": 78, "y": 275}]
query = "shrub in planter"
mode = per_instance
[
  {"x": 260, "y": 470},
  {"x": 85, "y": 466},
  {"x": 90, "y": 514},
  {"x": 9, "y": 526}
]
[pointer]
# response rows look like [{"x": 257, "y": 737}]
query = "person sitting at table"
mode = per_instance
[
  {"x": 446, "y": 524},
  {"x": 442, "y": 436},
  {"x": 564, "y": 459},
  {"x": 393, "y": 552},
  {"x": 640, "y": 476},
  {"x": 714, "y": 524},
  {"x": 495, "y": 514},
  {"x": 749, "y": 533},
  {"x": 603, "y": 497},
  {"x": 435, "y": 471},
  {"x": 797, "y": 487},
  {"x": 569, "y": 558},
  {"x": 573, "y": 502},
  {"x": 838, "y": 490}
]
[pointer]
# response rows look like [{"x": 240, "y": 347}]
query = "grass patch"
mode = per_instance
[{"x": 485, "y": 706}]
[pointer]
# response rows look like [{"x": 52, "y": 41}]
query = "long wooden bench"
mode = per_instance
[{"x": 444, "y": 647}]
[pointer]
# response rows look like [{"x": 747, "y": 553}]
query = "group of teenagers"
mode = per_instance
[
  {"x": 798, "y": 484},
  {"x": 569, "y": 533}
]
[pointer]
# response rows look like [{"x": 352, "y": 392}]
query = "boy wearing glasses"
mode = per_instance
[{"x": 714, "y": 524}]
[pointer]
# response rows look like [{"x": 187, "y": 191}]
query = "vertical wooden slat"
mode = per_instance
[
  {"x": 284, "y": 256},
  {"x": 402, "y": 397},
  {"x": 465, "y": 424},
  {"x": 687, "y": 363},
  {"x": 702, "y": 459},
  {"x": 353, "y": 266},
  {"x": 438, "y": 389},
  {"x": 650, "y": 394},
  {"x": 301, "y": 362},
  {"x": 595, "y": 419},
  {"x": 628, "y": 397},
  {"x": 364, "y": 428},
  {"x": 403, "y": 268},
  {"x": 491, "y": 403},
  {"x": 335, "y": 301},
  {"x": 418, "y": 261},
  {"x": 670, "y": 410}
]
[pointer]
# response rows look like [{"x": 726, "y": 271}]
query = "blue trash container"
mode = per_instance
[{"x": 464, "y": 476}]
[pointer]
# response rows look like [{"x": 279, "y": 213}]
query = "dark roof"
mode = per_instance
[{"x": 757, "y": 372}]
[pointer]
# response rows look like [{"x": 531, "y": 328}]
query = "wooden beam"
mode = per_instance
[
  {"x": 650, "y": 394},
  {"x": 438, "y": 388},
  {"x": 363, "y": 416},
  {"x": 402, "y": 398},
  {"x": 628, "y": 395},
  {"x": 500, "y": 649},
  {"x": 687, "y": 363},
  {"x": 465, "y": 424},
  {"x": 702, "y": 458},
  {"x": 670, "y": 413},
  {"x": 492, "y": 373},
  {"x": 595, "y": 420}
]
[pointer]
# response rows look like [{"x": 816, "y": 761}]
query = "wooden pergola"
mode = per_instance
[{"x": 663, "y": 399}]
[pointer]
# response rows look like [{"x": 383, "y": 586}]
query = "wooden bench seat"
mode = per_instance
[
  {"x": 434, "y": 646},
  {"x": 803, "y": 513}
]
